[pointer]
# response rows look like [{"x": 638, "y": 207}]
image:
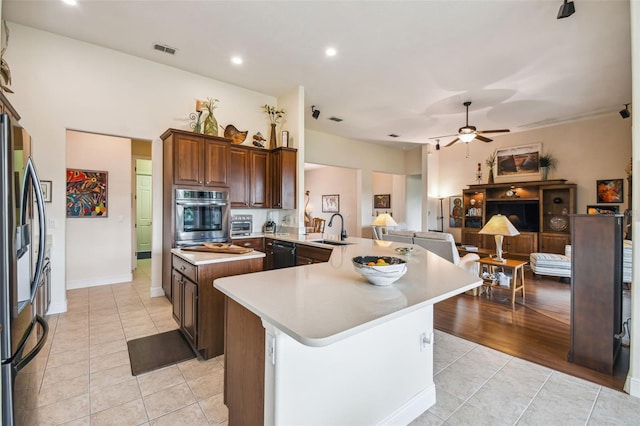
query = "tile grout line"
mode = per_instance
[{"x": 593, "y": 406}]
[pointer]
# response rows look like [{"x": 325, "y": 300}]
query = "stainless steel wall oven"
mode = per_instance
[{"x": 201, "y": 216}]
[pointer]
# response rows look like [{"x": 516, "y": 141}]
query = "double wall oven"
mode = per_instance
[{"x": 201, "y": 216}]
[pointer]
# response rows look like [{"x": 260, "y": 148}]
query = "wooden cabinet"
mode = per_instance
[
  {"x": 283, "y": 178},
  {"x": 268, "y": 251},
  {"x": 198, "y": 160},
  {"x": 539, "y": 210},
  {"x": 306, "y": 255},
  {"x": 198, "y": 307},
  {"x": 596, "y": 291},
  {"x": 249, "y": 177},
  {"x": 43, "y": 293}
]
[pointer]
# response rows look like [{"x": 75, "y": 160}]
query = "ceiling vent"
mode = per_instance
[
  {"x": 336, "y": 119},
  {"x": 164, "y": 48},
  {"x": 393, "y": 135}
]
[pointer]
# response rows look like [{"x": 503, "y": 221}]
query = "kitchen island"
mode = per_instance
[{"x": 318, "y": 344}]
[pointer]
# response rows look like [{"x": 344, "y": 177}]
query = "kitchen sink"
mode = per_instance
[{"x": 330, "y": 242}]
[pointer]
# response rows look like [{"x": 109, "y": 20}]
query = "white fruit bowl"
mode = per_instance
[{"x": 380, "y": 275}]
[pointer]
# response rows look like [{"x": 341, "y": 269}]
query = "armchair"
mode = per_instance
[{"x": 444, "y": 245}]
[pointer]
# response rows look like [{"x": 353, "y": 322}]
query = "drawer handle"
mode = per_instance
[
  {"x": 247, "y": 244},
  {"x": 182, "y": 267}
]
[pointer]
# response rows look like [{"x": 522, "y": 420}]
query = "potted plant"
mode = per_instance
[{"x": 546, "y": 162}]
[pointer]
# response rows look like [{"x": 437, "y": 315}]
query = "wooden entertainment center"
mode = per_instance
[{"x": 538, "y": 209}]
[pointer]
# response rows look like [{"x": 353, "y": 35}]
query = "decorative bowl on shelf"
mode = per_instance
[{"x": 380, "y": 270}]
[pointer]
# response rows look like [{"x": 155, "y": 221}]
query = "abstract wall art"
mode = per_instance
[{"x": 86, "y": 193}]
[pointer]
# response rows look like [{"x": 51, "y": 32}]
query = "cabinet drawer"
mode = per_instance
[
  {"x": 254, "y": 243},
  {"x": 315, "y": 254},
  {"x": 185, "y": 268}
]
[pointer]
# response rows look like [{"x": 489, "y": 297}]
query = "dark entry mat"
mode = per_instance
[{"x": 157, "y": 351}]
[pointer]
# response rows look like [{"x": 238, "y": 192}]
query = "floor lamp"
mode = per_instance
[{"x": 441, "y": 215}]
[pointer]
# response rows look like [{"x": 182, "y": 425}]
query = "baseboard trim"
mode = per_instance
[
  {"x": 634, "y": 387},
  {"x": 57, "y": 308},
  {"x": 413, "y": 408},
  {"x": 115, "y": 279},
  {"x": 156, "y": 292}
]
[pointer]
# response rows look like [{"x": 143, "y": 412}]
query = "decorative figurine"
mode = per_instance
[{"x": 258, "y": 140}]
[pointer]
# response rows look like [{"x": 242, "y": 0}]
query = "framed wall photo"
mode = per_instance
[
  {"x": 602, "y": 209},
  {"x": 610, "y": 190},
  {"x": 331, "y": 203},
  {"x": 285, "y": 139},
  {"x": 456, "y": 212},
  {"x": 86, "y": 193},
  {"x": 45, "y": 187},
  {"x": 382, "y": 201},
  {"x": 518, "y": 162}
]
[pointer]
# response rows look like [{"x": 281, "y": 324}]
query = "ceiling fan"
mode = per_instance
[{"x": 468, "y": 133}]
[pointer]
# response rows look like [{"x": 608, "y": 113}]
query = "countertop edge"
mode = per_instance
[{"x": 205, "y": 258}]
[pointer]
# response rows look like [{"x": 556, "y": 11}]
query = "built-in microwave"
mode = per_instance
[{"x": 201, "y": 216}]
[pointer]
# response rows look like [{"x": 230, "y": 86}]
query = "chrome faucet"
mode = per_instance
[{"x": 343, "y": 232}]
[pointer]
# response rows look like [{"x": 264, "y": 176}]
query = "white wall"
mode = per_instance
[
  {"x": 99, "y": 248},
  {"x": 61, "y": 84},
  {"x": 334, "y": 180}
]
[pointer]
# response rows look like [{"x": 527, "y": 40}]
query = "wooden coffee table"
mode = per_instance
[{"x": 516, "y": 266}]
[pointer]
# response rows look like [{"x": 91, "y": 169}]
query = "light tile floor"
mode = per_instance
[{"x": 83, "y": 377}]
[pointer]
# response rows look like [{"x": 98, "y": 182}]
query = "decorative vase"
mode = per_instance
[
  {"x": 210, "y": 125},
  {"x": 545, "y": 172},
  {"x": 490, "y": 176},
  {"x": 272, "y": 139}
]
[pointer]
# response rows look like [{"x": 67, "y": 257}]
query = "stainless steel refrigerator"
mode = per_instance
[{"x": 22, "y": 255}]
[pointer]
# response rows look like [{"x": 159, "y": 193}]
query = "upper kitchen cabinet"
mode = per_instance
[
  {"x": 196, "y": 160},
  {"x": 249, "y": 177},
  {"x": 283, "y": 178}
]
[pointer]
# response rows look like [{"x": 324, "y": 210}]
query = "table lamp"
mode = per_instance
[
  {"x": 384, "y": 220},
  {"x": 499, "y": 226}
]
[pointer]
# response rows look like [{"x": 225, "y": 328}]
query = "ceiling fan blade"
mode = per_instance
[
  {"x": 452, "y": 142},
  {"x": 483, "y": 139},
  {"x": 445, "y": 136},
  {"x": 494, "y": 131}
]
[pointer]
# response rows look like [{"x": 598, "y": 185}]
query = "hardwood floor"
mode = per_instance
[{"x": 537, "y": 330}]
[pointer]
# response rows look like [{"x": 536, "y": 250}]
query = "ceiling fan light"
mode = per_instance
[{"x": 467, "y": 137}]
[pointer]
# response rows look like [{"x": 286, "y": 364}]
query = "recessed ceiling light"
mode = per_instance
[
  {"x": 331, "y": 51},
  {"x": 70, "y": 2},
  {"x": 393, "y": 135},
  {"x": 336, "y": 119},
  {"x": 237, "y": 60}
]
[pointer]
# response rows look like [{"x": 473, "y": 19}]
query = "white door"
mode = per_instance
[{"x": 143, "y": 209}]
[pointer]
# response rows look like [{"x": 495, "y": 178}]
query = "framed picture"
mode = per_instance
[
  {"x": 602, "y": 209},
  {"x": 86, "y": 193},
  {"x": 382, "y": 201},
  {"x": 331, "y": 203},
  {"x": 285, "y": 139},
  {"x": 456, "y": 211},
  {"x": 45, "y": 187},
  {"x": 610, "y": 190},
  {"x": 518, "y": 163}
]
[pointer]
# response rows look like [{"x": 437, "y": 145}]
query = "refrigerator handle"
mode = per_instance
[
  {"x": 30, "y": 175},
  {"x": 37, "y": 348}
]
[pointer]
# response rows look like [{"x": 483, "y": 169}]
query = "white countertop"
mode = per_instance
[
  {"x": 203, "y": 257},
  {"x": 323, "y": 303}
]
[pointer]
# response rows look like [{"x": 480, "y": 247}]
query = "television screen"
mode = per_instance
[{"x": 524, "y": 215}]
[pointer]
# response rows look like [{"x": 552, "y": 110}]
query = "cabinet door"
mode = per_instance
[
  {"x": 268, "y": 250},
  {"x": 188, "y": 160},
  {"x": 471, "y": 238},
  {"x": 216, "y": 156},
  {"x": 283, "y": 179},
  {"x": 190, "y": 313},
  {"x": 554, "y": 243},
  {"x": 177, "y": 280},
  {"x": 259, "y": 171},
  {"x": 239, "y": 177},
  {"x": 521, "y": 245}
]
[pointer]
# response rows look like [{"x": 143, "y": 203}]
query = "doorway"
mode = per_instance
[{"x": 141, "y": 204}]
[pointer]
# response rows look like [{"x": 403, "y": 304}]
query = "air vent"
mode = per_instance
[
  {"x": 164, "y": 48},
  {"x": 336, "y": 119},
  {"x": 393, "y": 135}
]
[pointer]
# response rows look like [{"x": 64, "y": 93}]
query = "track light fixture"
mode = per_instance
[
  {"x": 437, "y": 144},
  {"x": 625, "y": 113},
  {"x": 315, "y": 113},
  {"x": 567, "y": 9}
]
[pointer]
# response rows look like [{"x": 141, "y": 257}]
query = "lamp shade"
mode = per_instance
[
  {"x": 384, "y": 219},
  {"x": 499, "y": 225}
]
